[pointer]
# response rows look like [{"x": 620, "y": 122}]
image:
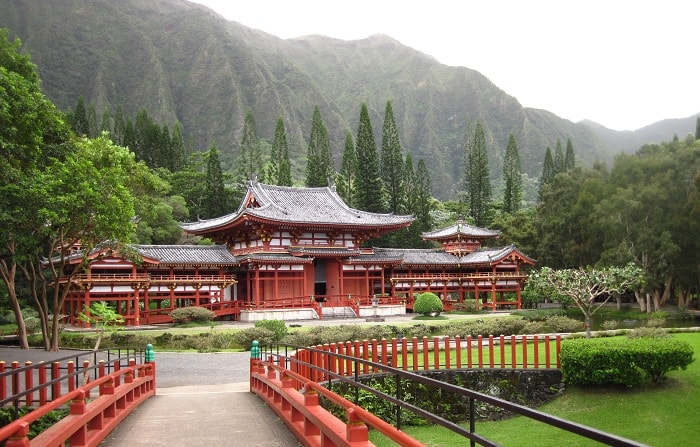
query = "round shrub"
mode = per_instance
[
  {"x": 276, "y": 326},
  {"x": 245, "y": 337},
  {"x": 428, "y": 304},
  {"x": 194, "y": 313}
]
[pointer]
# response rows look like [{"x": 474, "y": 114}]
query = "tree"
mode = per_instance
[
  {"x": 214, "y": 203},
  {"x": 106, "y": 124},
  {"x": 424, "y": 197},
  {"x": 569, "y": 157},
  {"x": 280, "y": 167},
  {"x": 477, "y": 175},
  {"x": 318, "y": 156},
  {"x": 370, "y": 195},
  {"x": 392, "y": 161},
  {"x": 548, "y": 171},
  {"x": 512, "y": 176},
  {"x": 347, "y": 177},
  {"x": 81, "y": 126},
  {"x": 86, "y": 201},
  {"x": 103, "y": 317},
  {"x": 119, "y": 127},
  {"x": 559, "y": 163},
  {"x": 588, "y": 288},
  {"x": 250, "y": 157},
  {"x": 177, "y": 149},
  {"x": 33, "y": 135}
]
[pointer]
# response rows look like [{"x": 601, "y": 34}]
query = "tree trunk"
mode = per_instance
[
  {"x": 587, "y": 319},
  {"x": 648, "y": 297},
  {"x": 640, "y": 300},
  {"x": 8, "y": 273},
  {"x": 667, "y": 292},
  {"x": 657, "y": 300}
]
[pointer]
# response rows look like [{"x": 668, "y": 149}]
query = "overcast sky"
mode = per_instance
[{"x": 623, "y": 64}]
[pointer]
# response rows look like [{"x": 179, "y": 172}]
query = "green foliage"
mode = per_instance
[
  {"x": 278, "y": 327},
  {"x": 263, "y": 335},
  {"x": 370, "y": 195},
  {"x": 392, "y": 163},
  {"x": 318, "y": 159},
  {"x": 623, "y": 361},
  {"x": 477, "y": 175},
  {"x": 8, "y": 414},
  {"x": 512, "y": 175},
  {"x": 193, "y": 313},
  {"x": 427, "y": 304}
]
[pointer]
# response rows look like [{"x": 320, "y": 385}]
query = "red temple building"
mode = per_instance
[{"x": 298, "y": 253}]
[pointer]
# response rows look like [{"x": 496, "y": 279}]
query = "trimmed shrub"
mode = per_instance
[
  {"x": 245, "y": 337},
  {"x": 194, "y": 313},
  {"x": 558, "y": 323},
  {"x": 276, "y": 326},
  {"x": 622, "y": 361},
  {"x": 428, "y": 304}
]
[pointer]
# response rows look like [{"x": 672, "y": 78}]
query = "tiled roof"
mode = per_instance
[
  {"x": 462, "y": 229},
  {"x": 309, "y": 206},
  {"x": 188, "y": 254},
  {"x": 440, "y": 257},
  {"x": 273, "y": 258}
]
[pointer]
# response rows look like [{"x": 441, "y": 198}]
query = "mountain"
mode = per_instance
[{"x": 182, "y": 62}]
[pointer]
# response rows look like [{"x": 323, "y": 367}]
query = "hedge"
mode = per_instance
[{"x": 623, "y": 361}]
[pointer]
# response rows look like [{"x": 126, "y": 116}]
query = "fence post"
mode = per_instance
[{"x": 254, "y": 359}]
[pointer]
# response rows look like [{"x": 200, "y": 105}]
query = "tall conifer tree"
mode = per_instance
[
  {"x": 512, "y": 176},
  {"x": 281, "y": 172},
  {"x": 569, "y": 157},
  {"x": 106, "y": 125},
  {"x": 119, "y": 127},
  {"x": 347, "y": 176},
  {"x": 249, "y": 159},
  {"x": 392, "y": 161},
  {"x": 478, "y": 181},
  {"x": 424, "y": 197},
  {"x": 547, "y": 170},
  {"x": 80, "y": 119},
  {"x": 559, "y": 159},
  {"x": 318, "y": 157},
  {"x": 214, "y": 195},
  {"x": 370, "y": 195},
  {"x": 93, "y": 123},
  {"x": 178, "y": 149}
]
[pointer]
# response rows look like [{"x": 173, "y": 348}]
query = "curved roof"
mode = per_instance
[
  {"x": 460, "y": 228},
  {"x": 305, "y": 206}
]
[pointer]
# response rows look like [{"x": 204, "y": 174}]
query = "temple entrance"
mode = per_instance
[{"x": 320, "y": 279}]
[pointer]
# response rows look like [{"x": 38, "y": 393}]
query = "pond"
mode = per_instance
[{"x": 631, "y": 323}]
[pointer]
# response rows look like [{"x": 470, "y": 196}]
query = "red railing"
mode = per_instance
[
  {"x": 121, "y": 388},
  {"x": 307, "y": 419},
  {"x": 414, "y": 354}
]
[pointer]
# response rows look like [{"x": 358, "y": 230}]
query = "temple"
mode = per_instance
[{"x": 300, "y": 253}]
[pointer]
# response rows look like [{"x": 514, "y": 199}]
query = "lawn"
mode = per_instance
[{"x": 663, "y": 416}]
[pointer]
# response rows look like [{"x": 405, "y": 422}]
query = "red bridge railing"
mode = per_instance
[
  {"x": 287, "y": 383},
  {"x": 99, "y": 396}
]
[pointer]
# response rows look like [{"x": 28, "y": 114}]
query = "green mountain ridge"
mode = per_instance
[{"x": 182, "y": 62}]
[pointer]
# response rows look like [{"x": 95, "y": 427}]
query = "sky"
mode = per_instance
[{"x": 623, "y": 64}]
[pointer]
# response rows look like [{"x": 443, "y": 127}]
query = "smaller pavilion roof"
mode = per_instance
[
  {"x": 461, "y": 229},
  {"x": 437, "y": 257}
]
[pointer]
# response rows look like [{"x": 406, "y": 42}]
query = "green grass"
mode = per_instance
[{"x": 662, "y": 416}]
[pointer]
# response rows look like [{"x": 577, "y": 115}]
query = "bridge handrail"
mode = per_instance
[
  {"x": 282, "y": 363},
  {"x": 21, "y": 377},
  {"x": 19, "y": 428}
]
